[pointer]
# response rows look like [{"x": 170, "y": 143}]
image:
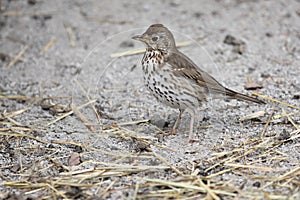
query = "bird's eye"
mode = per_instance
[{"x": 155, "y": 38}]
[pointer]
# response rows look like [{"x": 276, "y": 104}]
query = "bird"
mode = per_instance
[{"x": 175, "y": 80}]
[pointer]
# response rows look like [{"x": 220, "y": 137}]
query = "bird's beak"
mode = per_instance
[{"x": 139, "y": 38}]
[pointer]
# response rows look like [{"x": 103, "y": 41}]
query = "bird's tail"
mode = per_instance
[{"x": 236, "y": 95}]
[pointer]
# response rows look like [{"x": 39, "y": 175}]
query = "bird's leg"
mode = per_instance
[
  {"x": 173, "y": 131},
  {"x": 191, "y": 134}
]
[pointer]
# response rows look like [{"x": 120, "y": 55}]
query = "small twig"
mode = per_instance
[
  {"x": 267, "y": 124},
  {"x": 71, "y": 112},
  {"x": 70, "y": 34},
  {"x": 17, "y": 57},
  {"x": 133, "y": 122},
  {"x": 253, "y": 116},
  {"x": 107, "y": 188},
  {"x": 86, "y": 93},
  {"x": 13, "y": 121},
  {"x": 188, "y": 186},
  {"x": 136, "y": 189},
  {"x": 48, "y": 46},
  {"x": 14, "y": 113},
  {"x": 275, "y": 100},
  {"x": 83, "y": 118},
  {"x": 7, "y": 56},
  {"x": 282, "y": 116},
  {"x": 248, "y": 167},
  {"x": 209, "y": 191},
  {"x": 168, "y": 164},
  {"x": 290, "y": 119},
  {"x": 281, "y": 177}
]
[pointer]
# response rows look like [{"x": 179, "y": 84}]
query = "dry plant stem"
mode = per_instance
[
  {"x": 133, "y": 122},
  {"x": 188, "y": 186},
  {"x": 278, "y": 116},
  {"x": 71, "y": 112},
  {"x": 209, "y": 191},
  {"x": 17, "y": 57},
  {"x": 89, "y": 99},
  {"x": 282, "y": 177},
  {"x": 104, "y": 192},
  {"x": 48, "y": 46},
  {"x": 232, "y": 159},
  {"x": 83, "y": 118},
  {"x": 290, "y": 119},
  {"x": 275, "y": 100},
  {"x": 15, "y": 97},
  {"x": 125, "y": 133},
  {"x": 252, "y": 116},
  {"x": 168, "y": 164},
  {"x": 70, "y": 33},
  {"x": 267, "y": 124}
]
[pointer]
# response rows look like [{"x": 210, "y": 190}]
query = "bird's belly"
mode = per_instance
[{"x": 170, "y": 91}]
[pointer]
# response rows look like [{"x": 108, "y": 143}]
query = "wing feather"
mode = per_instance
[{"x": 184, "y": 67}]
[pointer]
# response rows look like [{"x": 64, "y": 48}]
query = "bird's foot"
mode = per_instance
[
  {"x": 168, "y": 133},
  {"x": 191, "y": 140},
  {"x": 172, "y": 132}
]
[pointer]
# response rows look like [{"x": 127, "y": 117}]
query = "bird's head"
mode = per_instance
[{"x": 157, "y": 37}]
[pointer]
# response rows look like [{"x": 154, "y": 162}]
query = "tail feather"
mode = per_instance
[{"x": 236, "y": 95}]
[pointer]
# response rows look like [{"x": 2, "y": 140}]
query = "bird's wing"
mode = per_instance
[{"x": 184, "y": 67}]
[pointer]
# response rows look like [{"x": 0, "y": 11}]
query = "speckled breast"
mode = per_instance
[{"x": 163, "y": 85}]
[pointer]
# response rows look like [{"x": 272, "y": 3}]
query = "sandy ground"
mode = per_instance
[{"x": 63, "y": 95}]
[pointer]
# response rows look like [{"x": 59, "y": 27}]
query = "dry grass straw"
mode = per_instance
[
  {"x": 71, "y": 112},
  {"x": 70, "y": 33},
  {"x": 275, "y": 100},
  {"x": 48, "y": 46},
  {"x": 18, "y": 57},
  {"x": 101, "y": 179}
]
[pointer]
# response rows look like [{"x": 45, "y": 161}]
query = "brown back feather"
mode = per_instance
[{"x": 183, "y": 66}]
